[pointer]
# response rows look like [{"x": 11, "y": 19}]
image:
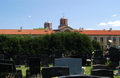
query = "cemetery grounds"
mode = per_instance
[{"x": 87, "y": 70}]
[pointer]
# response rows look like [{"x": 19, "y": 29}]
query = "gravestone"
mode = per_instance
[
  {"x": 44, "y": 60},
  {"x": 9, "y": 62},
  {"x": 49, "y": 72},
  {"x": 58, "y": 53},
  {"x": 81, "y": 76},
  {"x": 74, "y": 64},
  {"x": 51, "y": 59},
  {"x": 98, "y": 54},
  {"x": 1, "y": 56},
  {"x": 7, "y": 56},
  {"x": 114, "y": 55},
  {"x": 34, "y": 65},
  {"x": 27, "y": 73},
  {"x": 99, "y": 66},
  {"x": 118, "y": 74},
  {"x": 19, "y": 74},
  {"x": 102, "y": 72},
  {"x": 5, "y": 69},
  {"x": 83, "y": 57},
  {"x": 22, "y": 59}
]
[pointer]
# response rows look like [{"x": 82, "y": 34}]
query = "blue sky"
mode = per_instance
[{"x": 89, "y": 14}]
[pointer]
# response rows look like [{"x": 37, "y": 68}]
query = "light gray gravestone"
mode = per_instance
[{"x": 74, "y": 64}]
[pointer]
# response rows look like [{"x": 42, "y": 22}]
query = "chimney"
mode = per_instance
[
  {"x": 82, "y": 29},
  {"x": 21, "y": 29},
  {"x": 103, "y": 29},
  {"x": 110, "y": 29}
]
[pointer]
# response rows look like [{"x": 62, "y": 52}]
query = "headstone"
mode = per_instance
[
  {"x": 22, "y": 59},
  {"x": 5, "y": 69},
  {"x": 102, "y": 72},
  {"x": 44, "y": 60},
  {"x": 98, "y": 54},
  {"x": 83, "y": 57},
  {"x": 58, "y": 53},
  {"x": 9, "y": 62},
  {"x": 99, "y": 66},
  {"x": 74, "y": 64},
  {"x": 118, "y": 74},
  {"x": 49, "y": 72},
  {"x": 19, "y": 74},
  {"x": 34, "y": 65},
  {"x": 51, "y": 59},
  {"x": 1, "y": 56},
  {"x": 81, "y": 76},
  {"x": 27, "y": 73}
]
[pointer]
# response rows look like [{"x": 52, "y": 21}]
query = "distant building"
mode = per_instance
[{"x": 101, "y": 36}]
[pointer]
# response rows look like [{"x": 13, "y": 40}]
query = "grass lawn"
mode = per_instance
[{"x": 87, "y": 70}]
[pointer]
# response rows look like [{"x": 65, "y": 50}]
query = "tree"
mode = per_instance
[{"x": 96, "y": 45}]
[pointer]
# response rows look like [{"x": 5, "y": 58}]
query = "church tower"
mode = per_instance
[
  {"x": 48, "y": 24},
  {"x": 63, "y": 21}
]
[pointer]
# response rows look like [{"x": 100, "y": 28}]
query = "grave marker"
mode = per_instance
[{"x": 74, "y": 64}]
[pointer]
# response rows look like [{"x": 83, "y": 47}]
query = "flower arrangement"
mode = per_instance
[
  {"x": 118, "y": 67},
  {"x": 107, "y": 64}
]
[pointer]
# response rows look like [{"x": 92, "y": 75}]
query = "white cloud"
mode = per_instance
[
  {"x": 29, "y": 16},
  {"x": 102, "y": 23},
  {"x": 114, "y": 23},
  {"x": 114, "y": 15},
  {"x": 89, "y": 29}
]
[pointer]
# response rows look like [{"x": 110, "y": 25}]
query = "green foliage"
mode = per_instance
[
  {"x": 96, "y": 45},
  {"x": 38, "y": 29},
  {"x": 45, "y": 44}
]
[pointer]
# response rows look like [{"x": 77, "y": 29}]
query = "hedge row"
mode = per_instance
[{"x": 45, "y": 44}]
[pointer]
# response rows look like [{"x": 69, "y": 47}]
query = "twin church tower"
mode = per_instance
[{"x": 63, "y": 22}]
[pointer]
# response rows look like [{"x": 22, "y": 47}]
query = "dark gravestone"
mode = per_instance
[
  {"x": 22, "y": 59},
  {"x": 58, "y": 53},
  {"x": 44, "y": 60},
  {"x": 9, "y": 62},
  {"x": 16, "y": 59},
  {"x": 5, "y": 69},
  {"x": 98, "y": 54},
  {"x": 99, "y": 66},
  {"x": 102, "y": 72},
  {"x": 114, "y": 55},
  {"x": 7, "y": 56},
  {"x": 50, "y": 72},
  {"x": 88, "y": 55},
  {"x": 82, "y": 76},
  {"x": 51, "y": 59},
  {"x": 27, "y": 73},
  {"x": 19, "y": 74},
  {"x": 1, "y": 56},
  {"x": 34, "y": 65}
]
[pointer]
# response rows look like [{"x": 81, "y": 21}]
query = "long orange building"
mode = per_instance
[{"x": 101, "y": 36}]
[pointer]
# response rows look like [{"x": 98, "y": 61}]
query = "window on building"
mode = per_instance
[
  {"x": 95, "y": 38},
  {"x": 101, "y": 39},
  {"x": 48, "y": 25},
  {"x": 108, "y": 38},
  {"x": 119, "y": 39},
  {"x": 114, "y": 39}
]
